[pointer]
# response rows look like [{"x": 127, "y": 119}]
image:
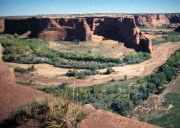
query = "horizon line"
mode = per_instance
[{"x": 87, "y": 14}]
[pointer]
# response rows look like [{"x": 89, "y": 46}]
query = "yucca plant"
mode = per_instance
[{"x": 51, "y": 113}]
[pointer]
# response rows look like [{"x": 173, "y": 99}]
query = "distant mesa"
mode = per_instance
[
  {"x": 156, "y": 19},
  {"x": 120, "y": 28}
]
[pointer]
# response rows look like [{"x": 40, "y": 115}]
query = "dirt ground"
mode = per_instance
[
  {"x": 50, "y": 75},
  {"x": 108, "y": 48}
]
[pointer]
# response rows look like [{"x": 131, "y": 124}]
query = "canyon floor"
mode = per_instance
[
  {"x": 14, "y": 95},
  {"x": 48, "y": 75}
]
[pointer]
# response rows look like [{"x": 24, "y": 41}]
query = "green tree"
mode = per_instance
[{"x": 122, "y": 106}]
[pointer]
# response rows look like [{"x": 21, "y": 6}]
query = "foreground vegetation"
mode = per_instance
[
  {"x": 35, "y": 51},
  {"x": 49, "y": 112},
  {"x": 122, "y": 96}
]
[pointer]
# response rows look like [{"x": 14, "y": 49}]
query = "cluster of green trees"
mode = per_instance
[
  {"x": 85, "y": 73},
  {"x": 81, "y": 74},
  {"x": 25, "y": 70},
  {"x": 122, "y": 98},
  {"x": 167, "y": 37},
  {"x": 34, "y": 51},
  {"x": 136, "y": 58}
]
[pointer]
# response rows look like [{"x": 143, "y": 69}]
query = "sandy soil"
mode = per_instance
[{"x": 49, "y": 75}]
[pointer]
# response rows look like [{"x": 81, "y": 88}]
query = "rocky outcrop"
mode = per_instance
[
  {"x": 68, "y": 29},
  {"x": 1, "y": 25},
  {"x": 104, "y": 119},
  {"x": 156, "y": 19}
]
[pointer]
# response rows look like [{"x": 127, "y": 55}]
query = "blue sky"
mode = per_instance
[{"x": 37, "y": 7}]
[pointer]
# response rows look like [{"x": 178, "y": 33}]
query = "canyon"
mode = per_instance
[
  {"x": 91, "y": 28},
  {"x": 122, "y": 28}
]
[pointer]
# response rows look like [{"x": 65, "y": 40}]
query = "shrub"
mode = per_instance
[{"x": 109, "y": 70}]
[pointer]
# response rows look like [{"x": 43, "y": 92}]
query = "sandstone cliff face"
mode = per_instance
[
  {"x": 156, "y": 19},
  {"x": 121, "y": 29},
  {"x": 49, "y": 28},
  {"x": 151, "y": 20},
  {"x": 69, "y": 29},
  {"x": 1, "y": 25}
]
